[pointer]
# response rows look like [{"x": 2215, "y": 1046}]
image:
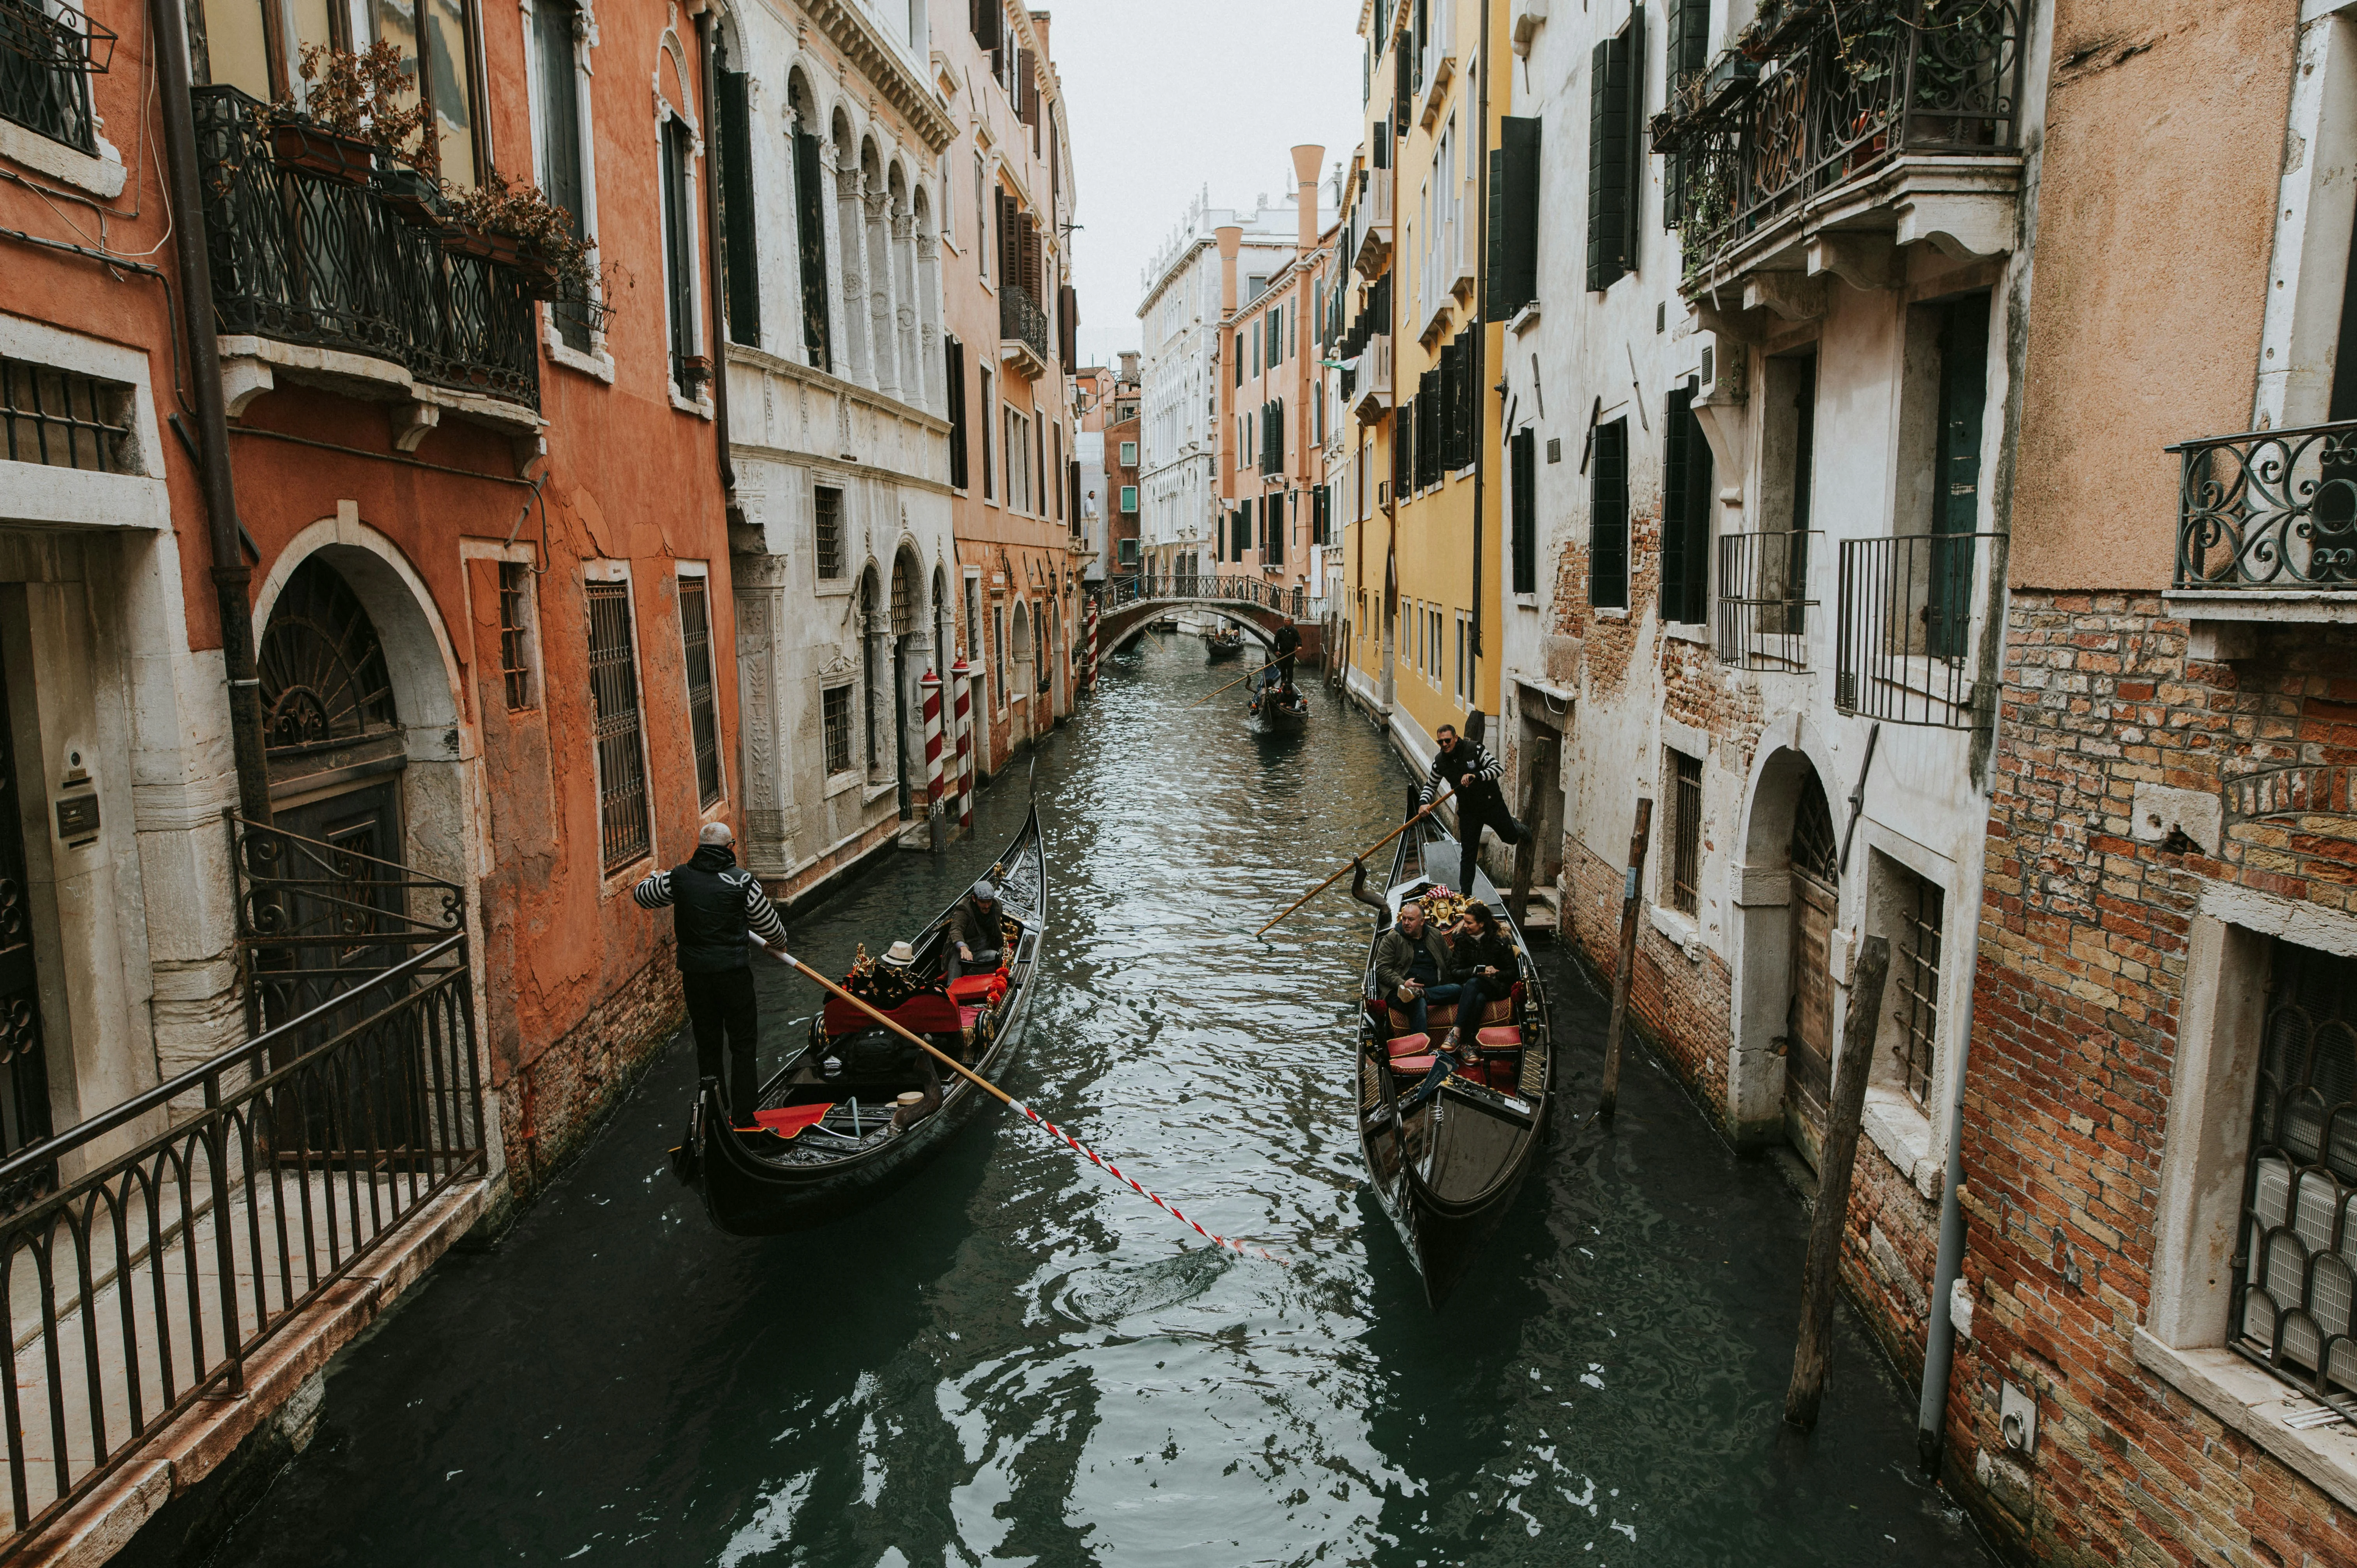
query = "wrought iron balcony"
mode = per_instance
[
  {"x": 47, "y": 59},
  {"x": 1022, "y": 326},
  {"x": 2270, "y": 510},
  {"x": 1763, "y": 599},
  {"x": 1904, "y": 647},
  {"x": 1844, "y": 93},
  {"x": 302, "y": 255}
]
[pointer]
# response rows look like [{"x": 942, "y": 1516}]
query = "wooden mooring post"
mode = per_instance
[
  {"x": 1822, "y": 1274},
  {"x": 1631, "y": 889}
]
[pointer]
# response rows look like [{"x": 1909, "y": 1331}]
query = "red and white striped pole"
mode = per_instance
[
  {"x": 931, "y": 684},
  {"x": 961, "y": 700},
  {"x": 1092, "y": 682}
]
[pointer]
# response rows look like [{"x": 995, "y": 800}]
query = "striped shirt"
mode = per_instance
[
  {"x": 762, "y": 915},
  {"x": 1449, "y": 767}
]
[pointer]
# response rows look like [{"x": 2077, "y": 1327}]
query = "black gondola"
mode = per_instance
[
  {"x": 758, "y": 1184},
  {"x": 1276, "y": 710},
  {"x": 1223, "y": 644},
  {"x": 1448, "y": 1170}
]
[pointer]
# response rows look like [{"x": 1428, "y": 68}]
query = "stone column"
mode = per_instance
[
  {"x": 929, "y": 317},
  {"x": 852, "y": 363},
  {"x": 884, "y": 346}
]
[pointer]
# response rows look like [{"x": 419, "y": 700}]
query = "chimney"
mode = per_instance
[
  {"x": 1231, "y": 237},
  {"x": 1039, "y": 26},
  {"x": 1306, "y": 160}
]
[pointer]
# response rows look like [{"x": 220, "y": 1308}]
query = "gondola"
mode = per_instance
[
  {"x": 1447, "y": 1171},
  {"x": 1223, "y": 644},
  {"x": 759, "y": 1184},
  {"x": 1279, "y": 712}
]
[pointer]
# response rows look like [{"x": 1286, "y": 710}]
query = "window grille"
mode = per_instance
[
  {"x": 622, "y": 757},
  {"x": 515, "y": 633},
  {"x": 703, "y": 719},
  {"x": 1686, "y": 832},
  {"x": 1917, "y": 974},
  {"x": 2295, "y": 1255},
  {"x": 63, "y": 420},
  {"x": 835, "y": 703},
  {"x": 828, "y": 531},
  {"x": 47, "y": 59}
]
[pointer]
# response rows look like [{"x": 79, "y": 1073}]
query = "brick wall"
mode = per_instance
[
  {"x": 547, "y": 1109},
  {"x": 2082, "y": 950}
]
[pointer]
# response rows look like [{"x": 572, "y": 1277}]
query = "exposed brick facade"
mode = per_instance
[
  {"x": 2082, "y": 968},
  {"x": 550, "y": 1107}
]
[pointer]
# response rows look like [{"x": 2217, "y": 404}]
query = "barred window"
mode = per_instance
[
  {"x": 64, "y": 420},
  {"x": 623, "y": 830},
  {"x": 2296, "y": 1256},
  {"x": 835, "y": 703},
  {"x": 1917, "y": 973},
  {"x": 703, "y": 719},
  {"x": 828, "y": 529},
  {"x": 515, "y": 633},
  {"x": 1686, "y": 832}
]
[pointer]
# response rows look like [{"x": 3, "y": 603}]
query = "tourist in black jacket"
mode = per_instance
[
  {"x": 1472, "y": 774},
  {"x": 1485, "y": 965}
]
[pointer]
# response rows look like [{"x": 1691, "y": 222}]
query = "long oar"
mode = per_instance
[
  {"x": 989, "y": 1088},
  {"x": 1443, "y": 794},
  {"x": 1237, "y": 681}
]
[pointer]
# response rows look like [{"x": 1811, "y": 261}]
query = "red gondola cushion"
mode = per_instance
[
  {"x": 1410, "y": 1045},
  {"x": 930, "y": 1014},
  {"x": 1510, "y": 1035},
  {"x": 979, "y": 988},
  {"x": 1414, "y": 1067}
]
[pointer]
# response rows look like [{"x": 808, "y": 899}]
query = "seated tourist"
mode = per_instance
[
  {"x": 1412, "y": 965},
  {"x": 976, "y": 935},
  {"x": 1485, "y": 966}
]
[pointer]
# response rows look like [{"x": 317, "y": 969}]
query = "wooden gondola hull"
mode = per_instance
[
  {"x": 1275, "y": 718},
  {"x": 1446, "y": 1175},
  {"x": 746, "y": 1194},
  {"x": 1215, "y": 652}
]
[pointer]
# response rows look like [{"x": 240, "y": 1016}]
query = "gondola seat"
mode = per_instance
[
  {"x": 979, "y": 988},
  {"x": 1505, "y": 1037},
  {"x": 1441, "y": 1015}
]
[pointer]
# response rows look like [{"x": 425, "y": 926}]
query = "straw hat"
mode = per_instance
[{"x": 900, "y": 956}]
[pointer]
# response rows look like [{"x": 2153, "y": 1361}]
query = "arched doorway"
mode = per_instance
[
  {"x": 1021, "y": 677},
  {"x": 1815, "y": 856}
]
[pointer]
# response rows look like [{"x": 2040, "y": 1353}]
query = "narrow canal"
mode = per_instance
[{"x": 1018, "y": 1361}]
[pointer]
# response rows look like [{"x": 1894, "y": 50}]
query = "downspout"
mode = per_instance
[
  {"x": 1480, "y": 332},
  {"x": 233, "y": 581},
  {"x": 707, "y": 24}
]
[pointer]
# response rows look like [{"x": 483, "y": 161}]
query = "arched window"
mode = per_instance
[{"x": 324, "y": 680}]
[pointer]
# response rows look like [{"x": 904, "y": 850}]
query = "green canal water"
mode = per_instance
[{"x": 1018, "y": 1361}]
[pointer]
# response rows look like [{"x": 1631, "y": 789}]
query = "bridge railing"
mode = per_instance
[{"x": 1235, "y": 588}]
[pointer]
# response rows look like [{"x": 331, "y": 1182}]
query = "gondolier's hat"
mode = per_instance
[
  {"x": 900, "y": 956},
  {"x": 986, "y": 891}
]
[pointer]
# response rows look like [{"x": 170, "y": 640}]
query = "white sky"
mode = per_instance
[{"x": 1165, "y": 95}]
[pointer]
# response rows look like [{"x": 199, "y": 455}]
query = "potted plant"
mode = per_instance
[
  {"x": 351, "y": 118},
  {"x": 515, "y": 226}
]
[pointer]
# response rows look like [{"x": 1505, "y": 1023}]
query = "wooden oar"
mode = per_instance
[
  {"x": 1003, "y": 1097},
  {"x": 1237, "y": 681},
  {"x": 1445, "y": 791}
]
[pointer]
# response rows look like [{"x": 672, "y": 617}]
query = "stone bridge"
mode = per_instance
[{"x": 1259, "y": 609}]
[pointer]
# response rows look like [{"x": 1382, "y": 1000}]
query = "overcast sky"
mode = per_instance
[{"x": 1168, "y": 95}]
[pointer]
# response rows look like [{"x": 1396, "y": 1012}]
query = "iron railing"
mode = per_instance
[
  {"x": 1847, "y": 92},
  {"x": 1021, "y": 319},
  {"x": 2270, "y": 509},
  {"x": 1763, "y": 599},
  {"x": 304, "y": 257},
  {"x": 317, "y": 920},
  {"x": 210, "y": 1210},
  {"x": 2295, "y": 1254},
  {"x": 1229, "y": 588},
  {"x": 1904, "y": 631},
  {"x": 47, "y": 59}
]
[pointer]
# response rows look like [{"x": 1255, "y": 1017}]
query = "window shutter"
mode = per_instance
[
  {"x": 1027, "y": 85},
  {"x": 1067, "y": 327},
  {"x": 1513, "y": 218},
  {"x": 1277, "y": 436},
  {"x": 738, "y": 227},
  {"x": 1632, "y": 134},
  {"x": 1608, "y": 163},
  {"x": 810, "y": 219},
  {"x": 1676, "y": 561},
  {"x": 1403, "y": 88},
  {"x": 1522, "y": 479},
  {"x": 1608, "y": 540},
  {"x": 1403, "y": 450},
  {"x": 1276, "y": 530},
  {"x": 954, "y": 370},
  {"x": 1031, "y": 257},
  {"x": 1427, "y": 428},
  {"x": 989, "y": 23}
]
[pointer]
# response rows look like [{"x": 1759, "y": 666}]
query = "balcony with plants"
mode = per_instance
[
  {"x": 331, "y": 234},
  {"x": 1831, "y": 133},
  {"x": 47, "y": 59}
]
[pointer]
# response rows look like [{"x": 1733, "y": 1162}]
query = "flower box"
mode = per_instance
[
  {"x": 299, "y": 145},
  {"x": 415, "y": 199},
  {"x": 535, "y": 266},
  {"x": 695, "y": 370}
]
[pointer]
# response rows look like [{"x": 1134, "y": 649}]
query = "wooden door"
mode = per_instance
[
  {"x": 24, "y": 1070},
  {"x": 1809, "y": 1029}
]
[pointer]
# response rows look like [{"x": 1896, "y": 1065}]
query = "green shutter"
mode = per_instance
[
  {"x": 810, "y": 219},
  {"x": 1632, "y": 133},
  {"x": 1607, "y": 538},
  {"x": 1514, "y": 216},
  {"x": 1676, "y": 559},
  {"x": 1610, "y": 161},
  {"x": 1523, "y": 463},
  {"x": 738, "y": 229}
]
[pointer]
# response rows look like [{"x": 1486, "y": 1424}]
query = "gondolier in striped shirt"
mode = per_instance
[
  {"x": 1472, "y": 774},
  {"x": 716, "y": 906}
]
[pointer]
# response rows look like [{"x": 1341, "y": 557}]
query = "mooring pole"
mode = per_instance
[
  {"x": 932, "y": 684},
  {"x": 1821, "y": 1274},
  {"x": 1632, "y": 881}
]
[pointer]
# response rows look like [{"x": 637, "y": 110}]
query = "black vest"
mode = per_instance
[{"x": 707, "y": 897}]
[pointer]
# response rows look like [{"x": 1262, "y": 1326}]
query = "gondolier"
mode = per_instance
[
  {"x": 715, "y": 905},
  {"x": 1288, "y": 640},
  {"x": 1472, "y": 774}
]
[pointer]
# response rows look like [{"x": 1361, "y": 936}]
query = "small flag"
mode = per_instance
[{"x": 791, "y": 1120}]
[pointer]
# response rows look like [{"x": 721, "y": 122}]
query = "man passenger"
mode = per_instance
[
  {"x": 976, "y": 935},
  {"x": 1413, "y": 966}
]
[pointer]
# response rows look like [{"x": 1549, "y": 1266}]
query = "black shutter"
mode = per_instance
[
  {"x": 989, "y": 23},
  {"x": 1632, "y": 133},
  {"x": 679, "y": 273},
  {"x": 1608, "y": 539},
  {"x": 1277, "y": 436},
  {"x": 1403, "y": 450},
  {"x": 953, "y": 376},
  {"x": 1687, "y": 56},
  {"x": 1068, "y": 327},
  {"x": 1404, "y": 89},
  {"x": 1276, "y": 530},
  {"x": 737, "y": 227},
  {"x": 1428, "y": 429},
  {"x": 1513, "y": 218},
  {"x": 1523, "y": 463},
  {"x": 1608, "y": 162},
  {"x": 1678, "y": 560},
  {"x": 809, "y": 219},
  {"x": 1457, "y": 403},
  {"x": 1240, "y": 532}
]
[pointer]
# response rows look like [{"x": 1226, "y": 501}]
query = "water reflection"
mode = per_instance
[{"x": 1020, "y": 1362}]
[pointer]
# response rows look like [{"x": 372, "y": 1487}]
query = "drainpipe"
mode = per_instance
[
  {"x": 232, "y": 582},
  {"x": 1940, "y": 1341},
  {"x": 707, "y": 26},
  {"x": 1480, "y": 332}
]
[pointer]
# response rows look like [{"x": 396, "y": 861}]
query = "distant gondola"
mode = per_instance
[
  {"x": 1449, "y": 1170},
  {"x": 758, "y": 1184},
  {"x": 1223, "y": 644},
  {"x": 1279, "y": 711}
]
